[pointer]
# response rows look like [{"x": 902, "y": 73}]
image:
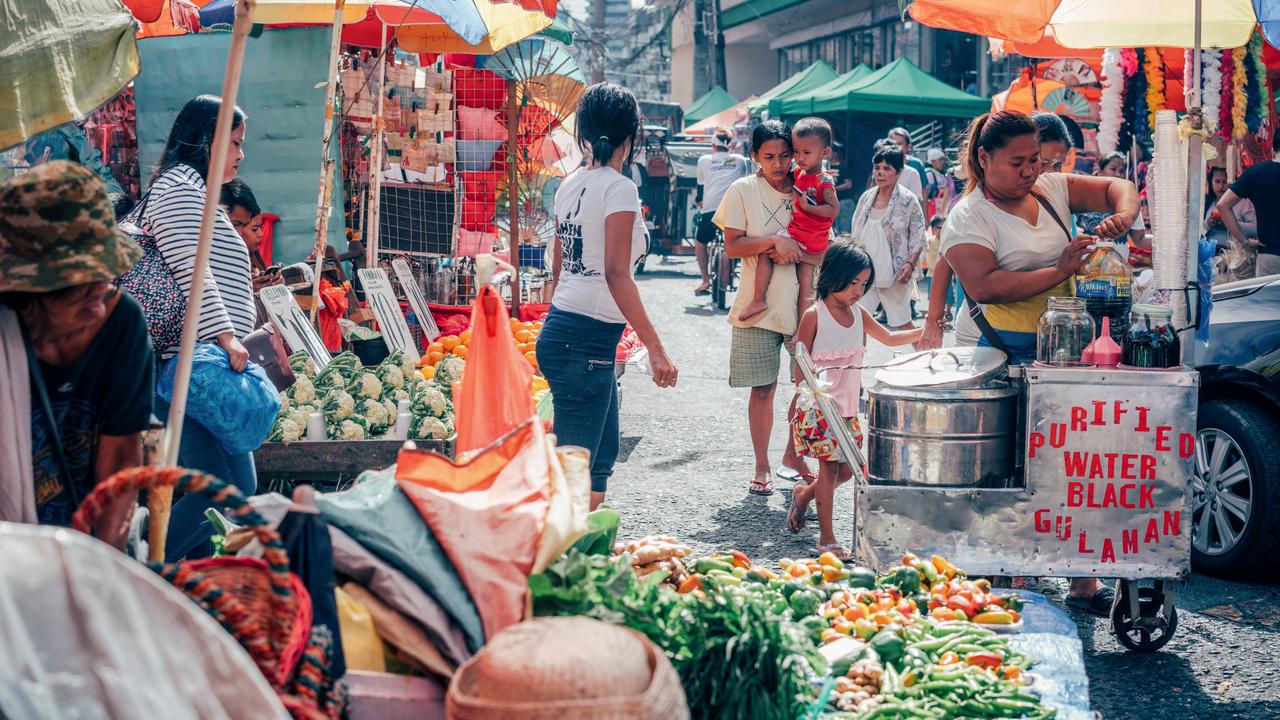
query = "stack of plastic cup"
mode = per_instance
[{"x": 1167, "y": 195}]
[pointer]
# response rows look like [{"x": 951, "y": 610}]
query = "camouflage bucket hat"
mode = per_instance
[{"x": 58, "y": 229}]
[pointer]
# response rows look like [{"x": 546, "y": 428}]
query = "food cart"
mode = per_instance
[{"x": 1030, "y": 470}]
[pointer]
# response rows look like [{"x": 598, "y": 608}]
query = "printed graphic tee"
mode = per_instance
[{"x": 583, "y": 202}]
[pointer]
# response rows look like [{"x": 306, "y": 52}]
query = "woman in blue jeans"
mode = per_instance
[
  {"x": 600, "y": 236},
  {"x": 171, "y": 211}
]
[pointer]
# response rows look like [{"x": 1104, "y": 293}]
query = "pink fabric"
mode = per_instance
[{"x": 835, "y": 345}]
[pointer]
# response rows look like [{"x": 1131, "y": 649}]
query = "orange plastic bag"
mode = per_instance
[
  {"x": 493, "y": 396},
  {"x": 489, "y": 513}
]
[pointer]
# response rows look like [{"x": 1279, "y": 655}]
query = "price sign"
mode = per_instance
[
  {"x": 416, "y": 299},
  {"x": 292, "y": 324},
  {"x": 380, "y": 297}
]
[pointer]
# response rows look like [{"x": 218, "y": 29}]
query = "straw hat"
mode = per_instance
[
  {"x": 58, "y": 230},
  {"x": 570, "y": 668}
]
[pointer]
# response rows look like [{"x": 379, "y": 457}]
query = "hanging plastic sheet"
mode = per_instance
[
  {"x": 378, "y": 515},
  {"x": 87, "y": 632}
]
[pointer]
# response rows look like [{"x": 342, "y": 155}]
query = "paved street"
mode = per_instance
[{"x": 685, "y": 467}]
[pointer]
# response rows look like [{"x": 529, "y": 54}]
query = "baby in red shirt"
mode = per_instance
[{"x": 816, "y": 209}]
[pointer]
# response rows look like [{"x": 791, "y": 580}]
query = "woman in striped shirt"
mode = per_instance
[{"x": 171, "y": 211}]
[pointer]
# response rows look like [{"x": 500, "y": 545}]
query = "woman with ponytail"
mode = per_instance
[{"x": 600, "y": 236}]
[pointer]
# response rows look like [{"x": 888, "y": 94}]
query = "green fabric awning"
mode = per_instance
[
  {"x": 801, "y": 103},
  {"x": 713, "y": 102},
  {"x": 558, "y": 31},
  {"x": 814, "y": 76},
  {"x": 899, "y": 88},
  {"x": 60, "y": 60}
]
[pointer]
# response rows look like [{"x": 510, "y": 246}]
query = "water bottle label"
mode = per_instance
[{"x": 1102, "y": 288}]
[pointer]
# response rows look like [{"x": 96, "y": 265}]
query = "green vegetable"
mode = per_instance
[
  {"x": 804, "y": 603},
  {"x": 906, "y": 579},
  {"x": 602, "y": 532},
  {"x": 706, "y": 565},
  {"x": 888, "y": 644},
  {"x": 860, "y": 577}
]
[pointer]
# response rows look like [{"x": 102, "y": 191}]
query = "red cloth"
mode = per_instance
[
  {"x": 267, "y": 241},
  {"x": 335, "y": 306},
  {"x": 811, "y": 231},
  {"x": 479, "y": 199},
  {"x": 479, "y": 88}
]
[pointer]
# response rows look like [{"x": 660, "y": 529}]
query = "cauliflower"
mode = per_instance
[
  {"x": 391, "y": 376},
  {"x": 286, "y": 430},
  {"x": 302, "y": 364},
  {"x": 401, "y": 394},
  {"x": 407, "y": 368},
  {"x": 367, "y": 385},
  {"x": 431, "y": 402},
  {"x": 284, "y": 402},
  {"x": 430, "y": 428},
  {"x": 301, "y": 414},
  {"x": 339, "y": 405},
  {"x": 393, "y": 408},
  {"x": 449, "y": 370},
  {"x": 375, "y": 415},
  {"x": 349, "y": 429},
  {"x": 302, "y": 391}
]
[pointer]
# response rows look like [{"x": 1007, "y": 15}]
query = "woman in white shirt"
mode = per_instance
[{"x": 600, "y": 236}]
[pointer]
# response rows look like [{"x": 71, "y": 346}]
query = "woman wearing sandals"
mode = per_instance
[{"x": 754, "y": 215}]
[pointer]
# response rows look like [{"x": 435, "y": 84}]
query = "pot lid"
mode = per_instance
[{"x": 960, "y": 367}]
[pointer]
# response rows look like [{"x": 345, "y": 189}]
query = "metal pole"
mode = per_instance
[
  {"x": 1195, "y": 196},
  {"x": 375, "y": 163},
  {"x": 160, "y": 499},
  {"x": 324, "y": 194},
  {"x": 513, "y": 190}
]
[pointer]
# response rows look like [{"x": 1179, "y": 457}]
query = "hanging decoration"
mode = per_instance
[
  {"x": 1239, "y": 92},
  {"x": 1142, "y": 122},
  {"x": 1211, "y": 85},
  {"x": 1153, "y": 72},
  {"x": 1256, "y": 72},
  {"x": 1129, "y": 66},
  {"x": 1109, "y": 105},
  {"x": 1227, "y": 72}
]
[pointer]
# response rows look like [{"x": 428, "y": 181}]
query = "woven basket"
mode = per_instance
[
  {"x": 261, "y": 603},
  {"x": 476, "y": 693}
]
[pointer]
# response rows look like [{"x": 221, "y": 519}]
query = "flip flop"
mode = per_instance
[
  {"x": 793, "y": 475},
  {"x": 835, "y": 549},
  {"x": 761, "y": 487},
  {"x": 795, "y": 515},
  {"x": 1099, "y": 603},
  {"x": 701, "y": 291}
]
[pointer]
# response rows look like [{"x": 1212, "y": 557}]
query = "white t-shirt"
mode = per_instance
[
  {"x": 754, "y": 207},
  {"x": 716, "y": 172},
  {"x": 583, "y": 202},
  {"x": 909, "y": 178},
  {"x": 1016, "y": 243}
]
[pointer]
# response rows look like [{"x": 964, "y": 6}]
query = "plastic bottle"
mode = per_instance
[{"x": 1104, "y": 282}]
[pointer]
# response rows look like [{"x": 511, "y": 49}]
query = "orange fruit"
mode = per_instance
[
  {"x": 464, "y": 337},
  {"x": 523, "y": 336},
  {"x": 532, "y": 357},
  {"x": 515, "y": 324},
  {"x": 427, "y": 372},
  {"x": 460, "y": 350},
  {"x": 433, "y": 358},
  {"x": 435, "y": 347},
  {"x": 449, "y": 342}
]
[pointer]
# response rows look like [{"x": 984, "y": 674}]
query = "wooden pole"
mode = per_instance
[
  {"x": 1195, "y": 197},
  {"x": 159, "y": 503},
  {"x": 324, "y": 195},
  {"x": 513, "y": 190},
  {"x": 375, "y": 163}
]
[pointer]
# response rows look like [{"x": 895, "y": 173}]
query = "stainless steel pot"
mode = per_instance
[{"x": 948, "y": 437}]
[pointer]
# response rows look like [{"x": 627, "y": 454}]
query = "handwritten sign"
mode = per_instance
[
  {"x": 1110, "y": 467},
  {"x": 380, "y": 297},
  {"x": 416, "y": 300},
  {"x": 292, "y": 324}
]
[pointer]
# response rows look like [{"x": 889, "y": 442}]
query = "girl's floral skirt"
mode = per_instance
[{"x": 813, "y": 437}]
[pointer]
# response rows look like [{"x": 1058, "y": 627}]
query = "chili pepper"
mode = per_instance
[
  {"x": 740, "y": 559},
  {"x": 963, "y": 604},
  {"x": 706, "y": 565},
  {"x": 984, "y": 659},
  {"x": 948, "y": 658},
  {"x": 693, "y": 582},
  {"x": 931, "y": 644},
  {"x": 943, "y": 567},
  {"x": 993, "y": 617},
  {"x": 1016, "y": 705}
]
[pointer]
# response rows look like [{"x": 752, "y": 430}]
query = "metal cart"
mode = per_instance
[{"x": 1088, "y": 477}]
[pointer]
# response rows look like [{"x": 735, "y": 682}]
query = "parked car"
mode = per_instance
[{"x": 1236, "y": 491}]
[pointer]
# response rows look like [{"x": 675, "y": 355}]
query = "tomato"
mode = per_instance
[
  {"x": 1012, "y": 672},
  {"x": 948, "y": 658},
  {"x": 984, "y": 660},
  {"x": 906, "y": 607},
  {"x": 854, "y": 612}
]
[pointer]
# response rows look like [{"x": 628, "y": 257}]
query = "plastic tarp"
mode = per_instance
[
  {"x": 801, "y": 103},
  {"x": 60, "y": 60},
  {"x": 1051, "y": 637},
  {"x": 714, "y": 101},
  {"x": 899, "y": 88},
  {"x": 377, "y": 514},
  {"x": 814, "y": 76},
  {"x": 88, "y": 633},
  {"x": 285, "y": 110}
]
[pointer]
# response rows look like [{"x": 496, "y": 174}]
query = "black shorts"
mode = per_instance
[{"x": 706, "y": 228}]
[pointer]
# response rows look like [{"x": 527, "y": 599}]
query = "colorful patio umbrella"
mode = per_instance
[
  {"x": 59, "y": 61},
  {"x": 714, "y": 101},
  {"x": 477, "y": 27}
]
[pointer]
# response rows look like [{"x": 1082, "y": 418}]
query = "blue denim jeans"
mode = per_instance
[
  {"x": 577, "y": 354},
  {"x": 1021, "y": 346},
  {"x": 956, "y": 298},
  {"x": 189, "y": 530}
]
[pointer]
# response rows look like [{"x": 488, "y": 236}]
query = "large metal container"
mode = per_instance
[{"x": 964, "y": 437}]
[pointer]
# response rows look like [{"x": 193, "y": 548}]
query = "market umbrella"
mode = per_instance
[
  {"x": 725, "y": 118},
  {"x": 802, "y": 103},
  {"x": 478, "y": 27},
  {"x": 60, "y": 60},
  {"x": 547, "y": 74},
  {"x": 817, "y": 74},
  {"x": 714, "y": 101}
]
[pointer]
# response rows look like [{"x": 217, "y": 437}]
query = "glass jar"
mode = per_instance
[
  {"x": 1064, "y": 330},
  {"x": 1151, "y": 341}
]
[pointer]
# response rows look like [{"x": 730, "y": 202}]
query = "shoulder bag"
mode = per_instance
[
  {"x": 975, "y": 310},
  {"x": 152, "y": 284}
]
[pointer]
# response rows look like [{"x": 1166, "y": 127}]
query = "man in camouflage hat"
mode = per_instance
[
  {"x": 77, "y": 374},
  {"x": 58, "y": 229}
]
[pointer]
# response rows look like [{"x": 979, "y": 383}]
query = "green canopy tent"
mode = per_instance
[
  {"x": 713, "y": 102},
  {"x": 814, "y": 76},
  {"x": 899, "y": 88},
  {"x": 801, "y": 103}
]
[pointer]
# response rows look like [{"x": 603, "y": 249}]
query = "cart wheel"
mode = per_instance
[
  {"x": 1151, "y": 630},
  {"x": 723, "y": 276}
]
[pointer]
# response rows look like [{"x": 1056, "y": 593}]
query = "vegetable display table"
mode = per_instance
[{"x": 330, "y": 464}]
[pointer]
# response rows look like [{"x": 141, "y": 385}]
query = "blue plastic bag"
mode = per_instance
[{"x": 238, "y": 408}]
